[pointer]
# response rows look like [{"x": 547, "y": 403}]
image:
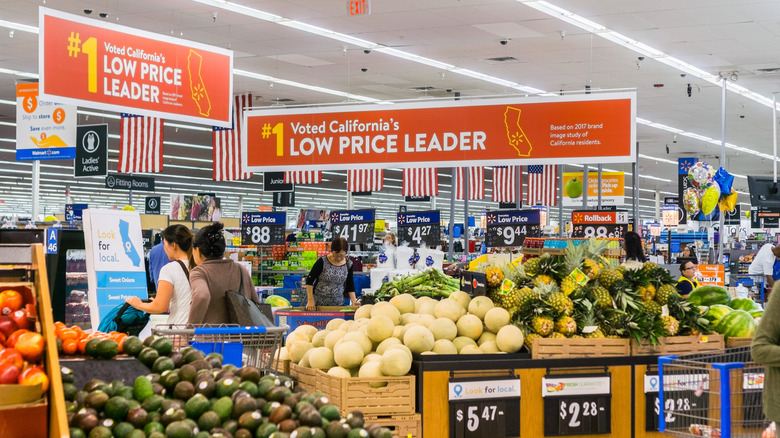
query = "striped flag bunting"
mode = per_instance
[
  {"x": 542, "y": 185},
  {"x": 141, "y": 144},
  {"x": 365, "y": 180},
  {"x": 303, "y": 177},
  {"x": 226, "y": 144},
  {"x": 504, "y": 184},
  {"x": 421, "y": 182},
  {"x": 476, "y": 183}
]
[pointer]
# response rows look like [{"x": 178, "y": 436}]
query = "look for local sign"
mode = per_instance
[
  {"x": 585, "y": 129},
  {"x": 94, "y": 64}
]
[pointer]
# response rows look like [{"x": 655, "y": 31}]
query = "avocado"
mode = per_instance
[
  {"x": 96, "y": 400},
  {"x": 172, "y": 415},
  {"x": 230, "y": 426},
  {"x": 127, "y": 392},
  {"x": 242, "y": 405},
  {"x": 215, "y": 359},
  {"x": 121, "y": 430},
  {"x": 188, "y": 372},
  {"x": 148, "y": 341},
  {"x": 310, "y": 417},
  {"x": 302, "y": 432},
  {"x": 184, "y": 390},
  {"x": 355, "y": 419},
  {"x": 206, "y": 387},
  {"x": 264, "y": 386},
  {"x": 191, "y": 423},
  {"x": 162, "y": 363},
  {"x": 94, "y": 385},
  {"x": 169, "y": 378},
  {"x": 86, "y": 422},
  {"x": 337, "y": 430},
  {"x": 320, "y": 402},
  {"x": 154, "y": 426},
  {"x": 290, "y": 400},
  {"x": 317, "y": 432},
  {"x": 381, "y": 432},
  {"x": 136, "y": 433},
  {"x": 224, "y": 374},
  {"x": 202, "y": 434},
  {"x": 280, "y": 413},
  {"x": 265, "y": 430},
  {"x": 91, "y": 347},
  {"x": 226, "y": 386},
  {"x": 106, "y": 349},
  {"x": 287, "y": 425},
  {"x": 249, "y": 386},
  {"x": 71, "y": 407},
  {"x": 186, "y": 349},
  {"x": 138, "y": 417},
  {"x": 276, "y": 394},
  {"x": 153, "y": 403},
  {"x": 148, "y": 355},
  {"x": 251, "y": 374},
  {"x": 131, "y": 403},
  {"x": 163, "y": 345},
  {"x": 250, "y": 420},
  {"x": 157, "y": 435},
  {"x": 70, "y": 391},
  {"x": 269, "y": 407},
  {"x": 194, "y": 355},
  {"x": 171, "y": 403},
  {"x": 100, "y": 432},
  {"x": 261, "y": 402},
  {"x": 209, "y": 420},
  {"x": 358, "y": 433},
  {"x": 75, "y": 432},
  {"x": 114, "y": 388},
  {"x": 178, "y": 429},
  {"x": 196, "y": 405},
  {"x": 177, "y": 358},
  {"x": 243, "y": 433},
  {"x": 157, "y": 388},
  {"x": 223, "y": 407},
  {"x": 116, "y": 408},
  {"x": 132, "y": 346},
  {"x": 330, "y": 412},
  {"x": 230, "y": 367},
  {"x": 239, "y": 393}
]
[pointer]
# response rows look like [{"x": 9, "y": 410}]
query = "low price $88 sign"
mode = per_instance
[{"x": 355, "y": 232}]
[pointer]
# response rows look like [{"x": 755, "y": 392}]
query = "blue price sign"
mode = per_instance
[
  {"x": 263, "y": 229},
  {"x": 416, "y": 228},
  {"x": 510, "y": 228},
  {"x": 357, "y": 226}
]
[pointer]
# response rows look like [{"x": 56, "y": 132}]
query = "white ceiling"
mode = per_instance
[{"x": 716, "y": 36}]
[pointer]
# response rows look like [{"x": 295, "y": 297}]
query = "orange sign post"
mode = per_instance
[
  {"x": 95, "y": 64},
  {"x": 489, "y": 132}
]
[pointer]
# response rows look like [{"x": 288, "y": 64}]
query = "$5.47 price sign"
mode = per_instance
[
  {"x": 357, "y": 226},
  {"x": 263, "y": 229},
  {"x": 418, "y": 227},
  {"x": 484, "y": 407},
  {"x": 510, "y": 228},
  {"x": 577, "y": 405}
]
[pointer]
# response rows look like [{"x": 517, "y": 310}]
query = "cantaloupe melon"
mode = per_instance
[
  {"x": 418, "y": 339},
  {"x": 298, "y": 349},
  {"x": 496, "y": 318},
  {"x": 462, "y": 341},
  {"x": 470, "y": 326},
  {"x": 387, "y": 309},
  {"x": 340, "y": 372},
  {"x": 334, "y": 324},
  {"x": 404, "y": 303},
  {"x": 384, "y": 345},
  {"x": 443, "y": 346},
  {"x": 470, "y": 349},
  {"x": 348, "y": 354},
  {"x": 419, "y": 302},
  {"x": 284, "y": 354},
  {"x": 428, "y": 307},
  {"x": 408, "y": 318},
  {"x": 401, "y": 347},
  {"x": 485, "y": 337},
  {"x": 308, "y": 330},
  {"x": 333, "y": 337},
  {"x": 462, "y": 298},
  {"x": 321, "y": 358},
  {"x": 489, "y": 347},
  {"x": 371, "y": 357},
  {"x": 364, "y": 311},
  {"x": 305, "y": 360},
  {"x": 379, "y": 328},
  {"x": 395, "y": 363},
  {"x": 295, "y": 337},
  {"x": 356, "y": 325},
  {"x": 450, "y": 309},
  {"x": 371, "y": 369},
  {"x": 443, "y": 328},
  {"x": 319, "y": 339},
  {"x": 479, "y": 306},
  {"x": 346, "y": 326},
  {"x": 510, "y": 339},
  {"x": 426, "y": 320},
  {"x": 361, "y": 339},
  {"x": 398, "y": 331}
]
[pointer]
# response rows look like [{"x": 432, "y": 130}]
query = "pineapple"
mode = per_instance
[
  {"x": 647, "y": 293},
  {"x": 653, "y": 308},
  {"x": 601, "y": 297},
  {"x": 557, "y": 335},
  {"x": 671, "y": 325},
  {"x": 531, "y": 266},
  {"x": 569, "y": 285},
  {"x": 566, "y": 325},
  {"x": 542, "y": 325},
  {"x": 665, "y": 292},
  {"x": 529, "y": 340},
  {"x": 608, "y": 277},
  {"x": 561, "y": 304},
  {"x": 577, "y": 337},
  {"x": 596, "y": 334},
  {"x": 524, "y": 298},
  {"x": 543, "y": 279},
  {"x": 591, "y": 268},
  {"x": 494, "y": 275}
]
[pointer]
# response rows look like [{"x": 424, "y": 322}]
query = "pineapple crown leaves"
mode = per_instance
[
  {"x": 545, "y": 289},
  {"x": 574, "y": 257},
  {"x": 595, "y": 247}
]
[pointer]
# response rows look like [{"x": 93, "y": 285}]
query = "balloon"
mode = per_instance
[
  {"x": 701, "y": 174},
  {"x": 728, "y": 202},
  {"x": 691, "y": 201},
  {"x": 725, "y": 180},
  {"x": 709, "y": 200}
]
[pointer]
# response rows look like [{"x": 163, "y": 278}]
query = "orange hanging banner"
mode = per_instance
[
  {"x": 712, "y": 275},
  {"x": 95, "y": 64},
  {"x": 544, "y": 130}
]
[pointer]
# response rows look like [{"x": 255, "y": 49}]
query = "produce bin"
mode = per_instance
[
  {"x": 678, "y": 345},
  {"x": 557, "y": 348},
  {"x": 395, "y": 397}
]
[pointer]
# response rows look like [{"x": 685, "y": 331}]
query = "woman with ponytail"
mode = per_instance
[
  {"x": 173, "y": 285},
  {"x": 213, "y": 276}
]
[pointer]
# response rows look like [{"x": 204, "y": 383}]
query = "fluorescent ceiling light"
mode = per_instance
[{"x": 18, "y": 26}]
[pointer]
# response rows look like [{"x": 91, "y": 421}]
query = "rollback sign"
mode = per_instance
[{"x": 599, "y": 224}]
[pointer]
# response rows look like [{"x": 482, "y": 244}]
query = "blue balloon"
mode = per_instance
[{"x": 724, "y": 180}]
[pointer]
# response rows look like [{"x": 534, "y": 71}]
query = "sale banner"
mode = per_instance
[
  {"x": 713, "y": 275},
  {"x": 561, "y": 129},
  {"x": 612, "y": 188},
  {"x": 116, "y": 68},
  {"x": 599, "y": 224},
  {"x": 44, "y": 130}
]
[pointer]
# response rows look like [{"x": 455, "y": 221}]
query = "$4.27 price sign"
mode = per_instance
[
  {"x": 510, "y": 228},
  {"x": 418, "y": 227},
  {"x": 484, "y": 407},
  {"x": 263, "y": 229},
  {"x": 577, "y": 405},
  {"x": 357, "y": 226}
]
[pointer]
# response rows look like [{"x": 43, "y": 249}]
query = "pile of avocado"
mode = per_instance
[{"x": 190, "y": 394}]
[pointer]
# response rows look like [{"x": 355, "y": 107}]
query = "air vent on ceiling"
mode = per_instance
[
  {"x": 423, "y": 89},
  {"x": 284, "y": 100},
  {"x": 503, "y": 59},
  {"x": 767, "y": 71}
]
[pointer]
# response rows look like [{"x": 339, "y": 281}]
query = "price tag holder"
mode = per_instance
[
  {"x": 510, "y": 228},
  {"x": 685, "y": 395},
  {"x": 263, "y": 229},
  {"x": 599, "y": 224},
  {"x": 484, "y": 407},
  {"x": 357, "y": 226},
  {"x": 577, "y": 404},
  {"x": 418, "y": 227}
]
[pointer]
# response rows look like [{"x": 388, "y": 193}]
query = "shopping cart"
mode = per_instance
[
  {"x": 241, "y": 346},
  {"x": 714, "y": 395}
]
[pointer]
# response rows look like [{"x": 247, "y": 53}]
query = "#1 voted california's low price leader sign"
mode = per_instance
[
  {"x": 418, "y": 227},
  {"x": 685, "y": 395},
  {"x": 484, "y": 407},
  {"x": 510, "y": 228},
  {"x": 577, "y": 404},
  {"x": 599, "y": 224},
  {"x": 357, "y": 226},
  {"x": 263, "y": 229}
]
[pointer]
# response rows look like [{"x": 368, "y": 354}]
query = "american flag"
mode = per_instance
[
  {"x": 504, "y": 184},
  {"x": 303, "y": 177},
  {"x": 542, "y": 185},
  {"x": 141, "y": 144},
  {"x": 365, "y": 180},
  {"x": 421, "y": 182},
  {"x": 226, "y": 144},
  {"x": 476, "y": 183}
]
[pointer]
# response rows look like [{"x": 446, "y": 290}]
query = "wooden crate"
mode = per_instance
[
  {"x": 738, "y": 342},
  {"x": 356, "y": 394},
  {"x": 678, "y": 345},
  {"x": 305, "y": 377},
  {"x": 554, "y": 348},
  {"x": 282, "y": 366},
  {"x": 402, "y": 426}
]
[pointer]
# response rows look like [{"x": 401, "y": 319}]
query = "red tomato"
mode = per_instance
[
  {"x": 11, "y": 356},
  {"x": 9, "y": 374},
  {"x": 21, "y": 319},
  {"x": 14, "y": 338},
  {"x": 33, "y": 376},
  {"x": 10, "y": 301},
  {"x": 30, "y": 345}
]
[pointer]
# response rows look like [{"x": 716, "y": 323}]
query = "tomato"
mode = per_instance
[
  {"x": 82, "y": 345},
  {"x": 33, "y": 376},
  {"x": 9, "y": 374},
  {"x": 30, "y": 345},
  {"x": 70, "y": 346},
  {"x": 11, "y": 356},
  {"x": 68, "y": 334},
  {"x": 22, "y": 320},
  {"x": 10, "y": 301},
  {"x": 11, "y": 341},
  {"x": 121, "y": 341}
]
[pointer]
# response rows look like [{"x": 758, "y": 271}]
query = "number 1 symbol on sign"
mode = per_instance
[{"x": 278, "y": 131}]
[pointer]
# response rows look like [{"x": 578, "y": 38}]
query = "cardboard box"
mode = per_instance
[{"x": 318, "y": 318}]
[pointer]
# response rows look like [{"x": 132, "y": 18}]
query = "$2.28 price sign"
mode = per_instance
[
  {"x": 263, "y": 229},
  {"x": 357, "y": 226},
  {"x": 577, "y": 404},
  {"x": 510, "y": 228},
  {"x": 416, "y": 228},
  {"x": 680, "y": 404}
]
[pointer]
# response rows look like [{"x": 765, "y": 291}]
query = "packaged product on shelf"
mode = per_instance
[
  {"x": 405, "y": 258},
  {"x": 379, "y": 276},
  {"x": 429, "y": 258},
  {"x": 386, "y": 257}
]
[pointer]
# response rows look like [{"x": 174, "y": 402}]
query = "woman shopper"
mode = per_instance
[
  {"x": 213, "y": 276},
  {"x": 330, "y": 279},
  {"x": 635, "y": 255},
  {"x": 766, "y": 351},
  {"x": 173, "y": 285},
  {"x": 687, "y": 281}
]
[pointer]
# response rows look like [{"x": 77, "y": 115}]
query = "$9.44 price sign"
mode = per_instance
[
  {"x": 600, "y": 224},
  {"x": 484, "y": 407},
  {"x": 510, "y": 228},
  {"x": 357, "y": 226},
  {"x": 577, "y": 405},
  {"x": 263, "y": 229},
  {"x": 418, "y": 227}
]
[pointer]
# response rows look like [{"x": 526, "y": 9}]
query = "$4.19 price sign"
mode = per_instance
[
  {"x": 263, "y": 229},
  {"x": 418, "y": 227},
  {"x": 484, "y": 407},
  {"x": 577, "y": 405},
  {"x": 684, "y": 396},
  {"x": 600, "y": 224},
  {"x": 357, "y": 226},
  {"x": 510, "y": 228}
]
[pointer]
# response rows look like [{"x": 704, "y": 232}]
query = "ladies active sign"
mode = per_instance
[
  {"x": 95, "y": 64},
  {"x": 560, "y": 129}
]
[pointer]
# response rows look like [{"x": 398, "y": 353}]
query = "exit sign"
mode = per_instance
[{"x": 359, "y": 7}]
